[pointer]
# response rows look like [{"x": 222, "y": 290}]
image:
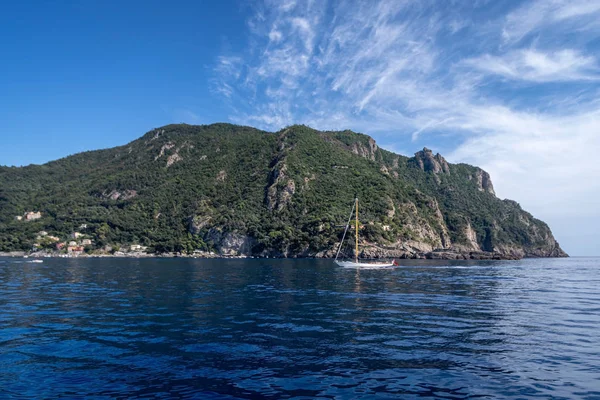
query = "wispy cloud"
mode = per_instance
[
  {"x": 537, "y": 66},
  {"x": 408, "y": 70},
  {"x": 533, "y": 16}
]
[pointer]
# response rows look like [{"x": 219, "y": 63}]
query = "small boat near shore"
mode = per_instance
[{"x": 363, "y": 264}]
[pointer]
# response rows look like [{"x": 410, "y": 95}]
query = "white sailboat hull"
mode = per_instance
[
  {"x": 364, "y": 265},
  {"x": 356, "y": 264}
]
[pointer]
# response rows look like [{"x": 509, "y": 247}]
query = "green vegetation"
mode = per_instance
[{"x": 184, "y": 188}]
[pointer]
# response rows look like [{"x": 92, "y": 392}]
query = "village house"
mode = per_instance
[
  {"x": 43, "y": 233},
  {"x": 75, "y": 235},
  {"x": 30, "y": 216},
  {"x": 19, "y": 217},
  {"x": 86, "y": 242},
  {"x": 53, "y": 238},
  {"x": 137, "y": 247},
  {"x": 60, "y": 246},
  {"x": 75, "y": 249},
  {"x": 72, "y": 243}
]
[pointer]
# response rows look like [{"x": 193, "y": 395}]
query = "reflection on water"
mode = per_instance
[{"x": 188, "y": 328}]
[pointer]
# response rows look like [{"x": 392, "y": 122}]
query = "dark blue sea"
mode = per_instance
[{"x": 301, "y": 329}]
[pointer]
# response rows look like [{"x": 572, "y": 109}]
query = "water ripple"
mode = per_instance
[{"x": 222, "y": 329}]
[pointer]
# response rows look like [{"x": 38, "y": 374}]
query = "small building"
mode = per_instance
[
  {"x": 30, "y": 216},
  {"x": 19, "y": 218},
  {"x": 43, "y": 233},
  {"x": 75, "y": 249},
  {"x": 83, "y": 226},
  {"x": 72, "y": 243},
  {"x": 137, "y": 247},
  {"x": 53, "y": 238},
  {"x": 75, "y": 235},
  {"x": 60, "y": 246},
  {"x": 86, "y": 242}
]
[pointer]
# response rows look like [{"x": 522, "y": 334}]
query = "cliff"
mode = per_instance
[{"x": 237, "y": 190}]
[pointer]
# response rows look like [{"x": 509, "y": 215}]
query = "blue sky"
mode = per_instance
[{"x": 511, "y": 86}]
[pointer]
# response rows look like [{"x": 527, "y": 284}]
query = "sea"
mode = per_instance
[{"x": 181, "y": 328}]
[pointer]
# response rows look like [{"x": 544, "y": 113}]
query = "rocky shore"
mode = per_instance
[{"x": 431, "y": 255}]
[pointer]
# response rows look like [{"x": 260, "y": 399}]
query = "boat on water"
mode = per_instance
[{"x": 356, "y": 263}]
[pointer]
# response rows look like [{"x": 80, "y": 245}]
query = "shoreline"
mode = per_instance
[{"x": 423, "y": 256}]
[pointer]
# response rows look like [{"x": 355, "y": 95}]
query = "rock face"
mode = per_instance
[
  {"x": 119, "y": 195},
  {"x": 230, "y": 243},
  {"x": 427, "y": 162},
  {"x": 280, "y": 188},
  {"x": 369, "y": 151},
  {"x": 484, "y": 182}
]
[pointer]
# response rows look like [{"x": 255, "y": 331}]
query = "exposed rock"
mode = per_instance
[
  {"x": 471, "y": 236},
  {"x": 280, "y": 189},
  {"x": 116, "y": 195},
  {"x": 427, "y": 162},
  {"x": 33, "y": 215},
  {"x": 173, "y": 158},
  {"x": 166, "y": 146},
  {"x": 128, "y": 194},
  {"x": 425, "y": 237},
  {"x": 230, "y": 243},
  {"x": 197, "y": 223},
  {"x": 307, "y": 180},
  {"x": 483, "y": 181},
  {"x": 157, "y": 133},
  {"x": 285, "y": 195},
  {"x": 392, "y": 210},
  {"x": 221, "y": 176},
  {"x": 474, "y": 255},
  {"x": 368, "y": 151},
  {"x": 444, "y": 235}
]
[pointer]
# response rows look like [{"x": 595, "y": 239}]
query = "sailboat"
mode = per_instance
[{"x": 356, "y": 263}]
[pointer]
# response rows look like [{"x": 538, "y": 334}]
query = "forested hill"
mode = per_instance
[{"x": 239, "y": 190}]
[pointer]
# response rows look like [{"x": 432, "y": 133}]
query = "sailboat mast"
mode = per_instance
[{"x": 356, "y": 236}]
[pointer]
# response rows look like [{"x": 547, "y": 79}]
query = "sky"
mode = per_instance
[{"x": 510, "y": 86}]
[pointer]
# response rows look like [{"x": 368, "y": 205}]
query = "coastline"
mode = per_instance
[{"x": 434, "y": 255}]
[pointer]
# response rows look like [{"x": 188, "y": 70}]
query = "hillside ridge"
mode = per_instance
[{"x": 238, "y": 190}]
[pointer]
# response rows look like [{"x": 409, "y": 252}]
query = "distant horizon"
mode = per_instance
[{"x": 509, "y": 86}]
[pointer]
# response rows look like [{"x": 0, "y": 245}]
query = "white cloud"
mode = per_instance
[
  {"x": 275, "y": 35},
  {"x": 537, "y": 14},
  {"x": 533, "y": 65}
]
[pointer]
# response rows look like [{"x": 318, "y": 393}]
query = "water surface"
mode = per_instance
[{"x": 222, "y": 329}]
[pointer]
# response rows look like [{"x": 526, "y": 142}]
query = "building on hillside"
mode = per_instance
[
  {"x": 75, "y": 249},
  {"x": 72, "y": 243},
  {"x": 60, "y": 246},
  {"x": 137, "y": 247},
  {"x": 53, "y": 238},
  {"x": 75, "y": 235},
  {"x": 30, "y": 216},
  {"x": 19, "y": 217},
  {"x": 86, "y": 242}
]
